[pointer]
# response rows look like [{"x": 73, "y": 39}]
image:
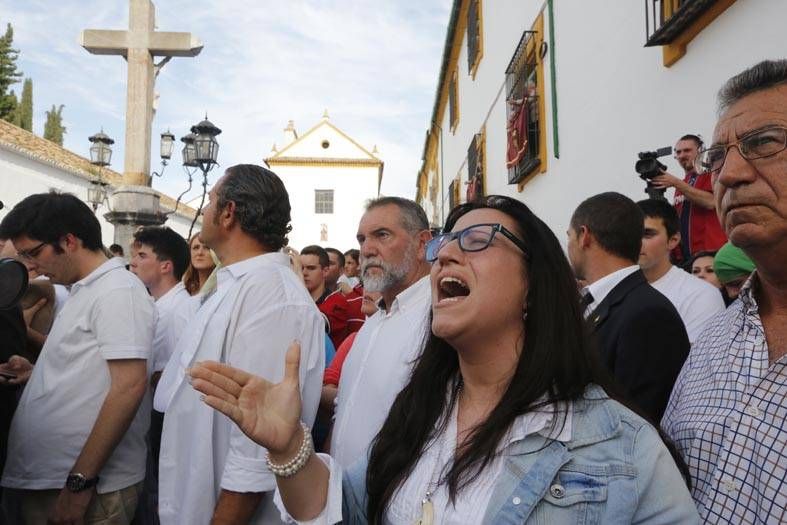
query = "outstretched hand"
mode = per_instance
[{"x": 268, "y": 413}]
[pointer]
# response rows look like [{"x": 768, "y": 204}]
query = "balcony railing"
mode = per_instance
[{"x": 665, "y": 20}]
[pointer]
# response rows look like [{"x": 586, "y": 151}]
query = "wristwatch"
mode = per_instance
[{"x": 76, "y": 482}]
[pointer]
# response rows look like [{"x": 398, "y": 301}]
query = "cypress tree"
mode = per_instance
[
  {"x": 53, "y": 128},
  {"x": 24, "y": 111},
  {"x": 9, "y": 74}
]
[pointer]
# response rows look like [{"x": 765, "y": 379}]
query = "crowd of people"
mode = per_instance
[{"x": 478, "y": 374}]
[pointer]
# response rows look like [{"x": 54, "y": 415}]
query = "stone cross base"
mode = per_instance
[{"x": 132, "y": 207}]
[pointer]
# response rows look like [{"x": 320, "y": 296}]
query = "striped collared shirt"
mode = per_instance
[{"x": 728, "y": 417}]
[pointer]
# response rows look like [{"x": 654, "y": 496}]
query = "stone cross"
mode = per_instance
[{"x": 139, "y": 44}]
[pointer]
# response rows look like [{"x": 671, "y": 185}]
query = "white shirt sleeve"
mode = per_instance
[
  {"x": 332, "y": 513},
  {"x": 123, "y": 320},
  {"x": 259, "y": 346}
]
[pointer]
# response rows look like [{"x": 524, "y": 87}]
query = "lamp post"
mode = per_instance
[
  {"x": 100, "y": 155},
  {"x": 165, "y": 150},
  {"x": 206, "y": 151}
]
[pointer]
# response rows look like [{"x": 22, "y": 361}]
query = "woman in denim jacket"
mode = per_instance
[{"x": 502, "y": 420}]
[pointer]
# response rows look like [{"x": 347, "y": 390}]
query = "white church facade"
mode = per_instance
[
  {"x": 329, "y": 177},
  {"x": 550, "y": 102},
  {"x": 30, "y": 164}
]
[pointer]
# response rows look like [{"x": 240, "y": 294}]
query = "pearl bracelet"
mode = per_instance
[{"x": 299, "y": 461}]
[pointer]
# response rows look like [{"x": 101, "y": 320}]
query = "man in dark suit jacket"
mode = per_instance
[{"x": 641, "y": 338}]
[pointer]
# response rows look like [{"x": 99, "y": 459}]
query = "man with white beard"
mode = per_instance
[{"x": 392, "y": 235}]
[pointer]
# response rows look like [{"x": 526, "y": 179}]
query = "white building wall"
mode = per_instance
[
  {"x": 21, "y": 176},
  {"x": 352, "y": 187},
  {"x": 615, "y": 97}
]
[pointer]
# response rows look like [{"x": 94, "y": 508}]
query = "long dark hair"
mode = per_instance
[{"x": 555, "y": 362}]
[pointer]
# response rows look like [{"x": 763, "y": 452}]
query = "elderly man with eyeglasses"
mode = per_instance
[{"x": 727, "y": 413}]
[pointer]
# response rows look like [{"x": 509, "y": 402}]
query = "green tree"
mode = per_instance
[
  {"x": 9, "y": 74},
  {"x": 53, "y": 127},
  {"x": 24, "y": 111}
]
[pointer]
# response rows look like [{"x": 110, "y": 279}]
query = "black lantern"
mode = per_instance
[
  {"x": 100, "y": 151},
  {"x": 167, "y": 142},
  {"x": 206, "y": 147},
  {"x": 97, "y": 193},
  {"x": 189, "y": 153}
]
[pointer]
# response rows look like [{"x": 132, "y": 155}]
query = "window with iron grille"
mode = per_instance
[
  {"x": 453, "y": 102},
  {"x": 476, "y": 168},
  {"x": 523, "y": 110},
  {"x": 474, "y": 36},
  {"x": 323, "y": 201},
  {"x": 666, "y": 20}
]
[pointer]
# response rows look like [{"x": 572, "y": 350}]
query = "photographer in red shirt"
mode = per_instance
[{"x": 699, "y": 226}]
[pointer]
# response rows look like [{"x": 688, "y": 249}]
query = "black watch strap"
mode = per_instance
[{"x": 76, "y": 482}]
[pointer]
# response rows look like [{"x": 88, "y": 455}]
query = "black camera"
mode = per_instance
[{"x": 648, "y": 167}]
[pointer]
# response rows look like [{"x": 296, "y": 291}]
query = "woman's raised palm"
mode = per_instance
[{"x": 268, "y": 413}]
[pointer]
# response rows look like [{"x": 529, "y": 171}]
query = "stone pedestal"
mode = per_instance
[{"x": 132, "y": 207}]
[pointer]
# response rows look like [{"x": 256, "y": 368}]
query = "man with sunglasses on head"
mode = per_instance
[
  {"x": 727, "y": 413},
  {"x": 699, "y": 227},
  {"x": 77, "y": 450}
]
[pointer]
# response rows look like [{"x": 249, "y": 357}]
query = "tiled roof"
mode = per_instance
[{"x": 16, "y": 139}]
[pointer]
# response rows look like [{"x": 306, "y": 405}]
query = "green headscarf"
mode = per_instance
[{"x": 731, "y": 263}]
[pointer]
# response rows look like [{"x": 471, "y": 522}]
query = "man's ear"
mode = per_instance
[
  {"x": 584, "y": 237},
  {"x": 227, "y": 215},
  {"x": 70, "y": 242},
  {"x": 673, "y": 241},
  {"x": 166, "y": 267},
  {"x": 424, "y": 236}
]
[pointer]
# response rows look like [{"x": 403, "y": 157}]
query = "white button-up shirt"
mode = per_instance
[
  {"x": 108, "y": 315},
  {"x": 377, "y": 369},
  {"x": 258, "y": 309},
  {"x": 600, "y": 289},
  {"x": 173, "y": 311},
  {"x": 405, "y": 507}
]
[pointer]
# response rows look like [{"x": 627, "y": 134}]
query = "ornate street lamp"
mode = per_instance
[
  {"x": 101, "y": 150},
  {"x": 189, "y": 152},
  {"x": 165, "y": 150},
  {"x": 206, "y": 147},
  {"x": 100, "y": 155},
  {"x": 206, "y": 151}
]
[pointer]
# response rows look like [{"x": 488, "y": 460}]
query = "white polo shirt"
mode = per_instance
[
  {"x": 108, "y": 315},
  {"x": 173, "y": 311},
  {"x": 377, "y": 369}
]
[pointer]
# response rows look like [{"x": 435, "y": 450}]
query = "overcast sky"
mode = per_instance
[{"x": 373, "y": 64}]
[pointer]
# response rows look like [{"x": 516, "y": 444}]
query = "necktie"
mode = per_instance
[{"x": 586, "y": 300}]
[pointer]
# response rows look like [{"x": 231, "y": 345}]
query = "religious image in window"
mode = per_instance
[
  {"x": 522, "y": 111},
  {"x": 323, "y": 201}
]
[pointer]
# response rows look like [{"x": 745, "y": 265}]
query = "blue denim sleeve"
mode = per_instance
[
  {"x": 354, "y": 494},
  {"x": 663, "y": 497}
]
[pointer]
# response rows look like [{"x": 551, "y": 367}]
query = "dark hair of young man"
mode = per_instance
[
  {"x": 167, "y": 245},
  {"x": 48, "y": 217},
  {"x": 689, "y": 136},
  {"x": 116, "y": 249},
  {"x": 353, "y": 254},
  {"x": 262, "y": 204},
  {"x": 615, "y": 221},
  {"x": 339, "y": 254},
  {"x": 659, "y": 209},
  {"x": 320, "y": 252}
]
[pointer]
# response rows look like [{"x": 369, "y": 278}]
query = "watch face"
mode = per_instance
[{"x": 75, "y": 482}]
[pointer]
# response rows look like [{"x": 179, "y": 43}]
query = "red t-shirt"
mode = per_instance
[
  {"x": 334, "y": 372},
  {"x": 700, "y": 228},
  {"x": 343, "y": 313}
]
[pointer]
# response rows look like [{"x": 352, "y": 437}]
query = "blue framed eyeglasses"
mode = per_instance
[{"x": 474, "y": 238}]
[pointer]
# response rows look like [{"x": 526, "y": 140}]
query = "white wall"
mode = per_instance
[
  {"x": 21, "y": 176},
  {"x": 615, "y": 96},
  {"x": 352, "y": 188}
]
